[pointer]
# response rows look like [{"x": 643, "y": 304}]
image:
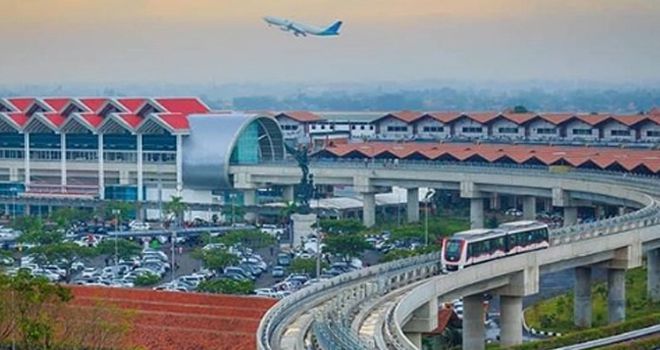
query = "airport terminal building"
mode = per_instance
[
  {"x": 52, "y": 147},
  {"x": 148, "y": 149}
]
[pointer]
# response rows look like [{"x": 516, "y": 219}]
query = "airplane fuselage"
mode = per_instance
[{"x": 303, "y": 29}]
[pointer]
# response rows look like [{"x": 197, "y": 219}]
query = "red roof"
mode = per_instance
[
  {"x": 92, "y": 118},
  {"x": 132, "y": 104},
  {"x": 557, "y": 118},
  {"x": 19, "y": 118},
  {"x": 406, "y": 116},
  {"x": 57, "y": 104},
  {"x": 183, "y": 105},
  {"x": 593, "y": 119},
  {"x": 173, "y": 320},
  {"x": 55, "y": 118},
  {"x": 94, "y": 104},
  {"x": 131, "y": 119},
  {"x": 22, "y": 103},
  {"x": 629, "y": 159},
  {"x": 176, "y": 121},
  {"x": 301, "y": 116}
]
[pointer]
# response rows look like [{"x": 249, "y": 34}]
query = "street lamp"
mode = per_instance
[
  {"x": 116, "y": 213},
  {"x": 427, "y": 198}
]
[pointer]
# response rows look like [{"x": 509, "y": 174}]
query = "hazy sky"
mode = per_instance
[{"x": 225, "y": 41}]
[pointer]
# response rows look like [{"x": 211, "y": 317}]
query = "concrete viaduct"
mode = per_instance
[{"x": 391, "y": 305}]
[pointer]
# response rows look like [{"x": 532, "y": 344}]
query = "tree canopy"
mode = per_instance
[
  {"x": 226, "y": 286},
  {"x": 346, "y": 245},
  {"x": 216, "y": 259},
  {"x": 342, "y": 226},
  {"x": 125, "y": 248}
]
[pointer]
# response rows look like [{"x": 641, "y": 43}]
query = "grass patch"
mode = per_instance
[
  {"x": 439, "y": 226},
  {"x": 586, "y": 335},
  {"x": 556, "y": 314}
]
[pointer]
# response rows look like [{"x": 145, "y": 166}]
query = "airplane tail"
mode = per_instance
[{"x": 333, "y": 29}]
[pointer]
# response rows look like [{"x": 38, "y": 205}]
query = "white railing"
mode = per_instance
[{"x": 649, "y": 215}]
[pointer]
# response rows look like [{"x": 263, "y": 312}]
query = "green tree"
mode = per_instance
[
  {"x": 176, "y": 207},
  {"x": 28, "y": 224},
  {"x": 346, "y": 245},
  {"x": 125, "y": 248},
  {"x": 342, "y": 226},
  {"x": 492, "y": 222},
  {"x": 126, "y": 210},
  {"x": 215, "y": 259},
  {"x": 63, "y": 217},
  {"x": 307, "y": 266},
  {"x": 226, "y": 286},
  {"x": 146, "y": 279},
  {"x": 63, "y": 254},
  {"x": 37, "y": 307},
  {"x": 254, "y": 239},
  {"x": 286, "y": 211}
]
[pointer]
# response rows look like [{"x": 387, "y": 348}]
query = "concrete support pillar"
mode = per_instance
[
  {"x": 582, "y": 297},
  {"x": 653, "y": 274},
  {"x": 476, "y": 212},
  {"x": 369, "y": 209},
  {"x": 26, "y": 160},
  {"x": 415, "y": 338},
  {"x": 413, "y": 204},
  {"x": 495, "y": 201},
  {"x": 616, "y": 295},
  {"x": 101, "y": 167},
  {"x": 529, "y": 207},
  {"x": 621, "y": 211},
  {"x": 546, "y": 204},
  {"x": 570, "y": 216},
  {"x": 249, "y": 197},
  {"x": 63, "y": 160},
  {"x": 179, "y": 164},
  {"x": 474, "y": 331},
  {"x": 140, "y": 169},
  {"x": 511, "y": 320},
  {"x": 13, "y": 174},
  {"x": 288, "y": 194}
]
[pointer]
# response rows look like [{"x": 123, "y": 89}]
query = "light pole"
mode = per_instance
[
  {"x": 427, "y": 198},
  {"x": 117, "y": 213},
  {"x": 318, "y": 238}
]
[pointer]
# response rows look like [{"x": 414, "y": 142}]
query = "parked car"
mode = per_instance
[
  {"x": 278, "y": 271},
  {"x": 139, "y": 226},
  {"x": 283, "y": 259}
]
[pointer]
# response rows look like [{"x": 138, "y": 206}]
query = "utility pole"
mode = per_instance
[
  {"x": 117, "y": 213},
  {"x": 427, "y": 199},
  {"x": 318, "y": 237}
]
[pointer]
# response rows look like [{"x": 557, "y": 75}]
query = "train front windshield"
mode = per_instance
[{"x": 453, "y": 250}]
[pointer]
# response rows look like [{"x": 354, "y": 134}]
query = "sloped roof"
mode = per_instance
[
  {"x": 94, "y": 104},
  {"x": 602, "y": 157},
  {"x": 183, "y": 105},
  {"x": 22, "y": 103},
  {"x": 301, "y": 116},
  {"x": 132, "y": 104},
  {"x": 57, "y": 104}
]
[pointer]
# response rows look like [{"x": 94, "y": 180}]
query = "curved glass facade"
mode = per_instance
[{"x": 217, "y": 141}]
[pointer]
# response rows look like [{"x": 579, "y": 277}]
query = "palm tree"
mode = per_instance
[
  {"x": 286, "y": 212},
  {"x": 176, "y": 207}
]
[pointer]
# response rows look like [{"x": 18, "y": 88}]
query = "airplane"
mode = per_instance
[{"x": 301, "y": 29}]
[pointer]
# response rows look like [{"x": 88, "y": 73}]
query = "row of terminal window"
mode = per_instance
[
  {"x": 506, "y": 243},
  {"x": 510, "y": 130}
]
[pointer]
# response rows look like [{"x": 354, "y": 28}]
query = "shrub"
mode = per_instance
[{"x": 147, "y": 279}]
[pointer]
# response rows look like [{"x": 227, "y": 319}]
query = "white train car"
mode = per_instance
[{"x": 480, "y": 245}]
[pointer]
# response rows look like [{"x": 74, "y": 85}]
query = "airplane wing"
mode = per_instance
[{"x": 297, "y": 31}]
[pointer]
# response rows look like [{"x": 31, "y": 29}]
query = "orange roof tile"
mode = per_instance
[
  {"x": 301, "y": 116},
  {"x": 548, "y": 155}
]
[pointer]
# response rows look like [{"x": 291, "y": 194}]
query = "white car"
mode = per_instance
[
  {"x": 266, "y": 292},
  {"x": 272, "y": 230},
  {"x": 90, "y": 272},
  {"x": 139, "y": 226},
  {"x": 213, "y": 246}
]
